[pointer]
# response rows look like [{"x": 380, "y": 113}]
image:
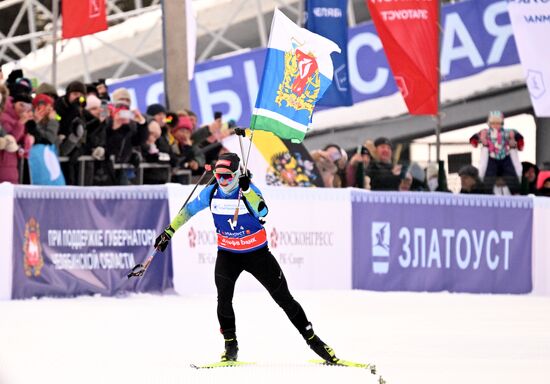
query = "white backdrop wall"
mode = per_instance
[{"x": 309, "y": 232}]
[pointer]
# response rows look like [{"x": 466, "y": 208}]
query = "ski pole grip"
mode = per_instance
[{"x": 240, "y": 131}]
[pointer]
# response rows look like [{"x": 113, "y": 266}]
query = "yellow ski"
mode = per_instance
[
  {"x": 221, "y": 364},
  {"x": 346, "y": 363}
]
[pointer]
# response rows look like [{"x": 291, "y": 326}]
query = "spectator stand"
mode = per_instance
[{"x": 142, "y": 168}]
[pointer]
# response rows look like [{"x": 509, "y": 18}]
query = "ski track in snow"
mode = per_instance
[{"x": 411, "y": 337}]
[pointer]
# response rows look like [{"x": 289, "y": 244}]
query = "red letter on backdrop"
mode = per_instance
[
  {"x": 83, "y": 17},
  {"x": 409, "y": 33}
]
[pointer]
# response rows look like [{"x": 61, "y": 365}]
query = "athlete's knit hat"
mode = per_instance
[{"x": 228, "y": 161}]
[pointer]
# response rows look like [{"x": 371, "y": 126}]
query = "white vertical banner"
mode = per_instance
[{"x": 531, "y": 26}]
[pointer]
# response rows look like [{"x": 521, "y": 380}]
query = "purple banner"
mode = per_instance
[
  {"x": 437, "y": 242},
  {"x": 71, "y": 241}
]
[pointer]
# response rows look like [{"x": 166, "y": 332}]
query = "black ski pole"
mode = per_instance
[
  {"x": 139, "y": 269},
  {"x": 207, "y": 168},
  {"x": 241, "y": 132}
]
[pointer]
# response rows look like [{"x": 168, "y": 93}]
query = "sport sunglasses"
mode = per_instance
[{"x": 228, "y": 177}]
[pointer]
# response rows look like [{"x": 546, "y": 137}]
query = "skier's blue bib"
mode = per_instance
[{"x": 247, "y": 234}]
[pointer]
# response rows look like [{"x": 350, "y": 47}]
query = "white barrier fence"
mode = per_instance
[{"x": 309, "y": 231}]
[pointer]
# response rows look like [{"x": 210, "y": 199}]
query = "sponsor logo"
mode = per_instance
[
  {"x": 227, "y": 207},
  {"x": 274, "y": 238},
  {"x": 95, "y": 9},
  {"x": 192, "y": 236},
  {"x": 341, "y": 78},
  {"x": 199, "y": 238},
  {"x": 32, "y": 250},
  {"x": 380, "y": 240},
  {"x": 535, "y": 80},
  {"x": 439, "y": 248},
  {"x": 243, "y": 243},
  {"x": 327, "y": 12},
  {"x": 301, "y": 238},
  {"x": 402, "y": 85}
]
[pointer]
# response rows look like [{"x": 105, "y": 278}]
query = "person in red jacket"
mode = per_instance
[{"x": 16, "y": 113}]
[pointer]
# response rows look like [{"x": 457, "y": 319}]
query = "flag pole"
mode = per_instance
[
  {"x": 245, "y": 159},
  {"x": 248, "y": 153},
  {"x": 55, "y": 15},
  {"x": 438, "y": 116}
]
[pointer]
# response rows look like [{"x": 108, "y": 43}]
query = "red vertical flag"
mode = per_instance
[
  {"x": 83, "y": 17},
  {"x": 409, "y": 33}
]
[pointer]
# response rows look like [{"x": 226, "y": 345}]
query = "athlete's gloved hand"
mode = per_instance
[
  {"x": 244, "y": 182},
  {"x": 240, "y": 131},
  {"x": 163, "y": 239}
]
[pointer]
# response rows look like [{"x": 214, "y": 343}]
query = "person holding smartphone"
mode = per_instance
[
  {"x": 43, "y": 126},
  {"x": 356, "y": 168},
  {"x": 126, "y": 129}
]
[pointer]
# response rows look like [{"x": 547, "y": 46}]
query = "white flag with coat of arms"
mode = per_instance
[{"x": 298, "y": 70}]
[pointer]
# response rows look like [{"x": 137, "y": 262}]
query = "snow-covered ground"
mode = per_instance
[{"x": 412, "y": 338}]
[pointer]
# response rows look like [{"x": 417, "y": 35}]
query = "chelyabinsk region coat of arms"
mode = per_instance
[
  {"x": 301, "y": 83},
  {"x": 32, "y": 251}
]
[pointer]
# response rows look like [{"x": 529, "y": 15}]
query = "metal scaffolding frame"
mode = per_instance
[{"x": 34, "y": 10}]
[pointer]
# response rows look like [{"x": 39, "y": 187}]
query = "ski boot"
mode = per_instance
[
  {"x": 319, "y": 347},
  {"x": 231, "y": 348}
]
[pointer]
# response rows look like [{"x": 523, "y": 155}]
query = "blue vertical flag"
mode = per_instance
[
  {"x": 44, "y": 165},
  {"x": 329, "y": 18}
]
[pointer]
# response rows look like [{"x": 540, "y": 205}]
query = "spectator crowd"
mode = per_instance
[{"x": 88, "y": 123}]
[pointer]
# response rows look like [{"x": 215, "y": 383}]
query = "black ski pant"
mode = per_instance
[{"x": 264, "y": 267}]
